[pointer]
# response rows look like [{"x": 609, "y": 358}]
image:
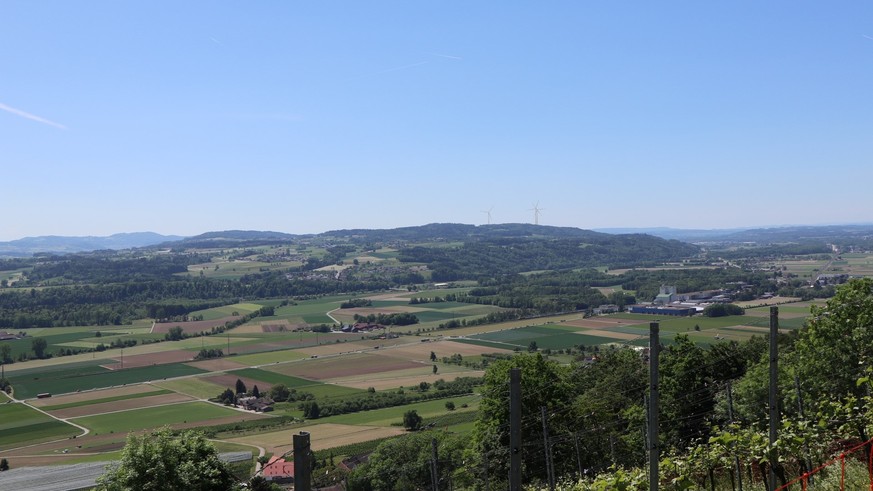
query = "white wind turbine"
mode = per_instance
[
  {"x": 536, "y": 209},
  {"x": 488, "y": 212}
]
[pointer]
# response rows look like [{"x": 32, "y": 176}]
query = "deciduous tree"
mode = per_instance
[
  {"x": 162, "y": 460},
  {"x": 39, "y": 345}
]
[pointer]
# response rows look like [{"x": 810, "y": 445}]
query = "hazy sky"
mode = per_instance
[{"x": 186, "y": 117}]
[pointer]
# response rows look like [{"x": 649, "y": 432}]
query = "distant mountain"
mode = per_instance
[
  {"x": 800, "y": 233},
  {"x": 60, "y": 244},
  {"x": 232, "y": 238},
  {"x": 460, "y": 231},
  {"x": 768, "y": 235},
  {"x": 685, "y": 235}
]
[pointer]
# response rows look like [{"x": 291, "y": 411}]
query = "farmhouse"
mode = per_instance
[
  {"x": 831, "y": 279},
  {"x": 279, "y": 470},
  {"x": 362, "y": 327},
  {"x": 350, "y": 463},
  {"x": 8, "y": 336},
  {"x": 606, "y": 309},
  {"x": 257, "y": 404}
]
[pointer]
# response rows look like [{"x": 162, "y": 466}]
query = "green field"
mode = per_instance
[
  {"x": 269, "y": 357},
  {"x": 320, "y": 390},
  {"x": 77, "y": 377},
  {"x": 21, "y": 424},
  {"x": 227, "y": 311},
  {"x": 107, "y": 399},
  {"x": 487, "y": 344},
  {"x": 153, "y": 417},
  {"x": 549, "y": 336},
  {"x": 192, "y": 386},
  {"x": 394, "y": 415}
]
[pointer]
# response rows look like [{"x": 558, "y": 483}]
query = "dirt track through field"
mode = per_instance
[
  {"x": 93, "y": 394},
  {"x": 105, "y": 407},
  {"x": 390, "y": 382},
  {"x": 193, "y": 327},
  {"x": 229, "y": 381},
  {"x": 351, "y": 365},
  {"x": 421, "y": 351},
  {"x": 599, "y": 323},
  {"x": 611, "y": 334},
  {"x": 162, "y": 358},
  {"x": 217, "y": 365}
]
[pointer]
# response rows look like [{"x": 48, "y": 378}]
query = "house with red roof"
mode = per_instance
[{"x": 278, "y": 470}]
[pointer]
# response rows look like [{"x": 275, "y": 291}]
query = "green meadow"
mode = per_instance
[
  {"x": 85, "y": 376},
  {"x": 20, "y": 423},
  {"x": 153, "y": 417}
]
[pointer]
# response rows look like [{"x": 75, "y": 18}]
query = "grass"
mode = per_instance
[
  {"x": 487, "y": 344},
  {"x": 227, "y": 311},
  {"x": 20, "y": 424},
  {"x": 435, "y": 316},
  {"x": 272, "y": 377},
  {"x": 548, "y": 336},
  {"x": 320, "y": 390},
  {"x": 65, "y": 378},
  {"x": 393, "y": 415},
  {"x": 153, "y": 417},
  {"x": 106, "y": 399},
  {"x": 193, "y": 386}
]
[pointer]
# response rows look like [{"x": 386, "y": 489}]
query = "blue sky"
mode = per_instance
[{"x": 187, "y": 117}]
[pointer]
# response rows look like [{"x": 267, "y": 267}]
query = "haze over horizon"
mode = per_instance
[{"x": 304, "y": 118}]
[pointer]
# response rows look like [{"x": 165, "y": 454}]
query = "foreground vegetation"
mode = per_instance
[{"x": 596, "y": 412}]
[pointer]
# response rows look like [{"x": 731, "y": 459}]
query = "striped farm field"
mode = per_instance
[
  {"x": 57, "y": 380},
  {"x": 97, "y": 398},
  {"x": 121, "y": 405},
  {"x": 216, "y": 365},
  {"x": 20, "y": 424},
  {"x": 193, "y": 327},
  {"x": 86, "y": 397},
  {"x": 255, "y": 359},
  {"x": 152, "y": 417},
  {"x": 197, "y": 387},
  {"x": 268, "y": 378},
  {"x": 394, "y": 380},
  {"x": 340, "y": 348},
  {"x": 323, "y": 436},
  {"x": 421, "y": 351},
  {"x": 600, "y": 322},
  {"x": 148, "y": 359},
  {"x": 611, "y": 335},
  {"x": 393, "y": 415},
  {"x": 355, "y": 364},
  {"x": 227, "y": 311}
]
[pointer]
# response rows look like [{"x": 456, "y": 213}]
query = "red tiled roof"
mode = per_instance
[{"x": 278, "y": 467}]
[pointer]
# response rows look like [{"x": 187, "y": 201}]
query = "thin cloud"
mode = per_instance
[
  {"x": 32, "y": 117},
  {"x": 868, "y": 37},
  {"x": 216, "y": 41},
  {"x": 404, "y": 67},
  {"x": 446, "y": 56},
  {"x": 389, "y": 70}
]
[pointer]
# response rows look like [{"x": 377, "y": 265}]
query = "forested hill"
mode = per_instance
[
  {"x": 483, "y": 249},
  {"x": 462, "y": 232},
  {"x": 59, "y": 244},
  {"x": 233, "y": 238},
  {"x": 484, "y": 258}
]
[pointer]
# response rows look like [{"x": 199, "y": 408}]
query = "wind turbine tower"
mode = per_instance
[
  {"x": 488, "y": 212},
  {"x": 536, "y": 209}
]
